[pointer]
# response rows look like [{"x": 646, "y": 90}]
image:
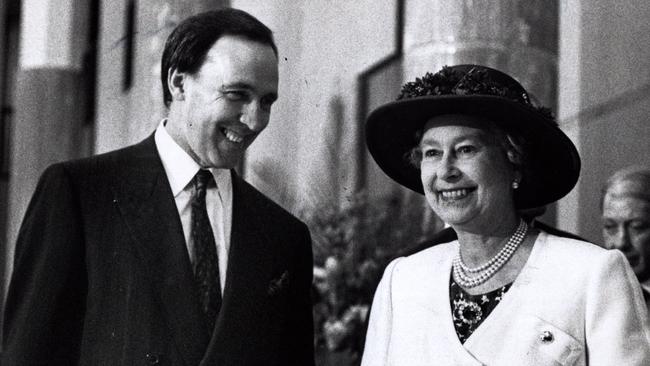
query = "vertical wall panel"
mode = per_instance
[{"x": 604, "y": 97}]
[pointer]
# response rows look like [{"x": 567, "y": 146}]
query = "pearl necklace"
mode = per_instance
[{"x": 462, "y": 272}]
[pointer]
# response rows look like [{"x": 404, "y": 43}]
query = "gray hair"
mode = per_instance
[{"x": 637, "y": 178}]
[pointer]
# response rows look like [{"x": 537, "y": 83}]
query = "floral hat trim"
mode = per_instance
[{"x": 476, "y": 81}]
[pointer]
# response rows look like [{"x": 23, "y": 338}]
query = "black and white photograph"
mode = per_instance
[{"x": 325, "y": 182}]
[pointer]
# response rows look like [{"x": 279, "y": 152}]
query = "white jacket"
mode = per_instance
[{"x": 586, "y": 296}]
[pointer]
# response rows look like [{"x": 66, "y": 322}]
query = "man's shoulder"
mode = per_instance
[
  {"x": 145, "y": 148},
  {"x": 252, "y": 197},
  {"x": 107, "y": 163}
]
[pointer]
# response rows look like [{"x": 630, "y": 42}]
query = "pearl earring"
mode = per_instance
[{"x": 515, "y": 184}]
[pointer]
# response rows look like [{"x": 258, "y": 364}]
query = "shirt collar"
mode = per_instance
[{"x": 179, "y": 165}]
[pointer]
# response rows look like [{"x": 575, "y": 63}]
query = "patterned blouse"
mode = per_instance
[{"x": 469, "y": 311}]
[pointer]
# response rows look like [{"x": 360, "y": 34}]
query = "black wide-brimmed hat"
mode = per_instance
[{"x": 551, "y": 157}]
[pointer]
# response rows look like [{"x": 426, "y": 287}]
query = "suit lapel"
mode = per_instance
[
  {"x": 250, "y": 263},
  {"x": 145, "y": 199},
  {"x": 251, "y": 256}
]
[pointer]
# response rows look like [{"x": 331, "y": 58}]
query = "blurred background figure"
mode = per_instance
[{"x": 626, "y": 219}]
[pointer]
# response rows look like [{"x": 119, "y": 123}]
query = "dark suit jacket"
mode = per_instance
[{"x": 102, "y": 275}]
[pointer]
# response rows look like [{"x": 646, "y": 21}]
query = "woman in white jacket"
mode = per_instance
[{"x": 503, "y": 293}]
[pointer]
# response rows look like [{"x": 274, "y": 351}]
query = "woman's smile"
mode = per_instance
[{"x": 449, "y": 195}]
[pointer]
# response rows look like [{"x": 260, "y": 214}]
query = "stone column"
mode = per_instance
[{"x": 516, "y": 36}]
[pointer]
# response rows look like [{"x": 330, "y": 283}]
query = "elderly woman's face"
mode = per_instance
[{"x": 465, "y": 173}]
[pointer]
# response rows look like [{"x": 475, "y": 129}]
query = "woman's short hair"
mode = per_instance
[{"x": 190, "y": 41}]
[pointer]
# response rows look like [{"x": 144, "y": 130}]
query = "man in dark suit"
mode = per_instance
[{"x": 160, "y": 253}]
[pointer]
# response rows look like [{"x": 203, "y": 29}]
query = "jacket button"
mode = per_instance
[
  {"x": 546, "y": 336},
  {"x": 152, "y": 359}
]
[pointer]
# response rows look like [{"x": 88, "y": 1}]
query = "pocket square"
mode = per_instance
[{"x": 277, "y": 284}]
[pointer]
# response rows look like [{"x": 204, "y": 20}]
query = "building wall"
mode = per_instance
[
  {"x": 308, "y": 154},
  {"x": 604, "y": 98}
]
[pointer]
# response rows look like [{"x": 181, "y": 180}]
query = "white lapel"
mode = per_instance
[{"x": 480, "y": 343}]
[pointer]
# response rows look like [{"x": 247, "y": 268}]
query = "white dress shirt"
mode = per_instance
[{"x": 181, "y": 169}]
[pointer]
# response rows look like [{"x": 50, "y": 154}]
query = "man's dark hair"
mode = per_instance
[{"x": 190, "y": 41}]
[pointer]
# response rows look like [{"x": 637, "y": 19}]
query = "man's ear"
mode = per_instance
[{"x": 175, "y": 83}]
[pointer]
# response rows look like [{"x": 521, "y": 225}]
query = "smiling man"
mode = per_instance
[
  {"x": 626, "y": 219},
  {"x": 160, "y": 253}
]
